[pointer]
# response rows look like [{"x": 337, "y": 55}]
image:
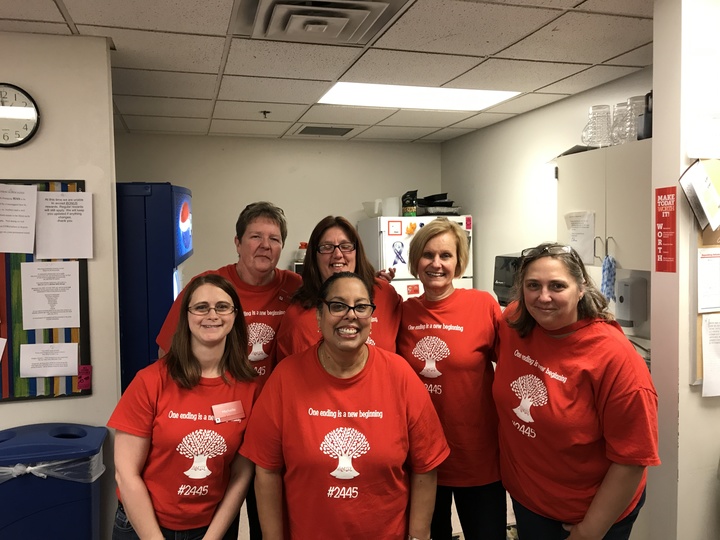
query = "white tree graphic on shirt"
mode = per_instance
[
  {"x": 344, "y": 444},
  {"x": 431, "y": 350},
  {"x": 200, "y": 445},
  {"x": 369, "y": 341},
  {"x": 531, "y": 391},
  {"x": 258, "y": 335}
]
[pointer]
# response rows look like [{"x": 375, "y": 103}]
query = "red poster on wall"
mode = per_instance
[{"x": 665, "y": 229}]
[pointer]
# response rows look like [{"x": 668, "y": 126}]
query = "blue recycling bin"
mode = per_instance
[{"x": 48, "y": 481}]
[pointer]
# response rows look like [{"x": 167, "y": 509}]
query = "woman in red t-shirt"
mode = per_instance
[
  {"x": 344, "y": 436},
  {"x": 181, "y": 421},
  {"x": 576, "y": 404},
  {"x": 334, "y": 246},
  {"x": 447, "y": 335}
]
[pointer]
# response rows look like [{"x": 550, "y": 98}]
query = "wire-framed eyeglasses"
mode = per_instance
[
  {"x": 221, "y": 308},
  {"x": 340, "y": 309},
  {"x": 345, "y": 247}
]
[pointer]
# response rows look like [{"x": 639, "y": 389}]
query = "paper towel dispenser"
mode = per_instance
[
  {"x": 631, "y": 303},
  {"x": 506, "y": 266}
]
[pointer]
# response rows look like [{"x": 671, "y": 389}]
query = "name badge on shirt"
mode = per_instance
[{"x": 228, "y": 412}]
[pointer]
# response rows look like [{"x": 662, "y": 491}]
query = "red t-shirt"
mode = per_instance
[
  {"x": 571, "y": 402},
  {"x": 347, "y": 447},
  {"x": 299, "y": 328},
  {"x": 188, "y": 465},
  {"x": 263, "y": 307},
  {"x": 450, "y": 344}
]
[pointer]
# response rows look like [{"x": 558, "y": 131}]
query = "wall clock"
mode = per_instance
[{"x": 19, "y": 116}]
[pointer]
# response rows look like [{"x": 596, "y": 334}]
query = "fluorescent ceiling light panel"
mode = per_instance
[{"x": 413, "y": 97}]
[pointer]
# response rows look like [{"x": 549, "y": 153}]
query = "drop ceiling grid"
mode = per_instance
[{"x": 168, "y": 66}]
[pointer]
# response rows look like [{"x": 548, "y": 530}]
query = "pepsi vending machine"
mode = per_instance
[{"x": 154, "y": 237}]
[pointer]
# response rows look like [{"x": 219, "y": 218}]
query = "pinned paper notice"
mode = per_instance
[
  {"x": 48, "y": 359},
  {"x": 711, "y": 354},
  {"x": 582, "y": 234}
]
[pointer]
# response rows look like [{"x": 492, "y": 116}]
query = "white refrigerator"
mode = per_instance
[{"x": 387, "y": 243}]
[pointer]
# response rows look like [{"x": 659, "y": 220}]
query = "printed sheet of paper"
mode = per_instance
[
  {"x": 17, "y": 218},
  {"x": 701, "y": 183},
  {"x": 64, "y": 225},
  {"x": 708, "y": 280},
  {"x": 50, "y": 294},
  {"x": 49, "y": 360},
  {"x": 711, "y": 354},
  {"x": 582, "y": 234}
]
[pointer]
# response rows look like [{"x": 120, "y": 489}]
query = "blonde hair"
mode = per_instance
[{"x": 437, "y": 227}]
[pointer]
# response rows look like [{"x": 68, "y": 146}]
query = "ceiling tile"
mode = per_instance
[
  {"x": 155, "y": 106},
  {"x": 161, "y": 83},
  {"x": 31, "y": 10},
  {"x": 338, "y": 114},
  {"x": 583, "y": 37},
  {"x": 642, "y": 56},
  {"x": 417, "y": 118},
  {"x": 641, "y": 8},
  {"x": 34, "y": 27},
  {"x": 249, "y": 127},
  {"x": 244, "y": 110},
  {"x": 167, "y": 125},
  {"x": 271, "y": 90},
  {"x": 595, "y": 76},
  {"x": 156, "y": 50},
  {"x": 527, "y": 103},
  {"x": 484, "y": 119},
  {"x": 514, "y": 75},
  {"x": 446, "y": 134},
  {"x": 396, "y": 133},
  {"x": 187, "y": 16},
  {"x": 449, "y": 26},
  {"x": 288, "y": 60},
  {"x": 407, "y": 68}
]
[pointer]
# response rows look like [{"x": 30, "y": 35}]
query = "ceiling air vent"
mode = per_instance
[
  {"x": 336, "y": 22},
  {"x": 324, "y": 131}
]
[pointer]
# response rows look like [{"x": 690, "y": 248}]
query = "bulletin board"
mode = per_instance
[{"x": 12, "y": 386}]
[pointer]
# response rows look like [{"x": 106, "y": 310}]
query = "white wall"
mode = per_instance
[
  {"x": 69, "y": 77},
  {"x": 307, "y": 179},
  {"x": 501, "y": 173}
]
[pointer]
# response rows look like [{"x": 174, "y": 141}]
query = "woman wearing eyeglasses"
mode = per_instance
[
  {"x": 447, "y": 336},
  {"x": 577, "y": 406},
  {"x": 180, "y": 423},
  {"x": 344, "y": 436},
  {"x": 334, "y": 246}
]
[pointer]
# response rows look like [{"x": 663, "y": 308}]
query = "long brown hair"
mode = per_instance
[
  {"x": 307, "y": 295},
  {"x": 182, "y": 365},
  {"x": 592, "y": 305}
]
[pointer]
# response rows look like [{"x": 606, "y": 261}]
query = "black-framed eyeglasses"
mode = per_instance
[
  {"x": 221, "y": 308},
  {"x": 550, "y": 249},
  {"x": 340, "y": 309},
  {"x": 345, "y": 247}
]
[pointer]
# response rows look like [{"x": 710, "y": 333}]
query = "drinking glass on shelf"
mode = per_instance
[
  {"x": 635, "y": 110},
  {"x": 619, "y": 133},
  {"x": 597, "y": 130}
]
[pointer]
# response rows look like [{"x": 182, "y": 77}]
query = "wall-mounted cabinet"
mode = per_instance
[{"x": 616, "y": 184}]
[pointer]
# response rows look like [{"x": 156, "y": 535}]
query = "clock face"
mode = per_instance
[{"x": 19, "y": 117}]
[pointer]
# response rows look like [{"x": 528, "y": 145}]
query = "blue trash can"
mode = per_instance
[{"x": 48, "y": 481}]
